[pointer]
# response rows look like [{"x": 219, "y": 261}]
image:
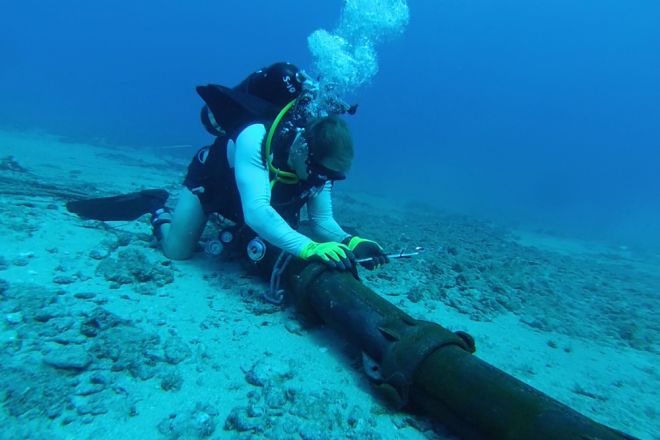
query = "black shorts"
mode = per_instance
[{"x": 213, "y": 181}]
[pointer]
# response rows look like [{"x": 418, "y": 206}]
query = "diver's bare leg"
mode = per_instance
[{"x": 180, "y": 237}]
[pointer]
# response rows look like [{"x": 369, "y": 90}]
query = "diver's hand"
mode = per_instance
[
  {"x": 367, "y": 249},
  {"x": 331, "y": 253}
]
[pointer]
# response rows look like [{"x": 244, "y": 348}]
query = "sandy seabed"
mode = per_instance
[{"x": 102, "y": 337}]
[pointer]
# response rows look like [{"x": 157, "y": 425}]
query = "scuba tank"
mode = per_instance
[{"x": 261, "y": 95}]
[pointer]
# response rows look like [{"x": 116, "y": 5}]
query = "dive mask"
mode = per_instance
[{"x": 318, "y": 175}]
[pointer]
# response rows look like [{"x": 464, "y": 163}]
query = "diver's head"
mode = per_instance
[
  {"x": 278, "y": 84},
  {"x": 322, "y": 151}
]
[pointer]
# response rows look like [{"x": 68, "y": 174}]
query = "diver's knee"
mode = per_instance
[
  {"x": 175, "y": 244},
  {"x": 176, "y": 254},
  {"x": 175, "y": 250}
]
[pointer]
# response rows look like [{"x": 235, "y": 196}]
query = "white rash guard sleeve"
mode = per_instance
[
  {"x": 319, "y": 209},
  {"x": 253, "y": 183}
]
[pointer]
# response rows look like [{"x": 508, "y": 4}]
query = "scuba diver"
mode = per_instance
[{"x": 274, "y": 154}]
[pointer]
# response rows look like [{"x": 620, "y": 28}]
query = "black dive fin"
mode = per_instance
[{"x": 120, "y": 208}]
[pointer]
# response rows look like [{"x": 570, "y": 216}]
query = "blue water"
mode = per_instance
[{"x": 541, "y": 113}]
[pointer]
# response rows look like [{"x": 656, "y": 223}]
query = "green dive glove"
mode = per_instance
[
  {"x": 363, "y": 248},
  {"x": 335, "y": 255}
]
